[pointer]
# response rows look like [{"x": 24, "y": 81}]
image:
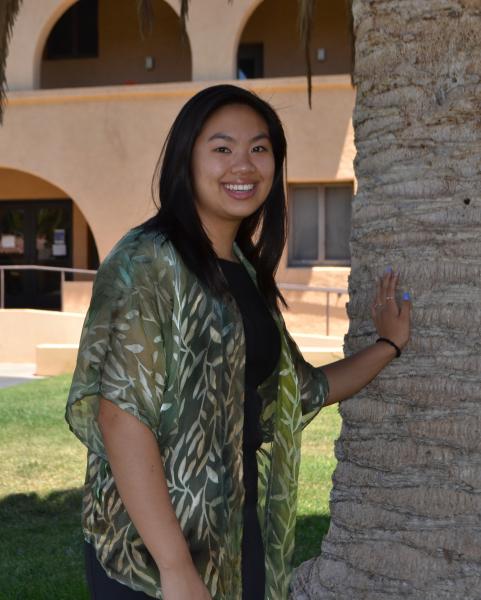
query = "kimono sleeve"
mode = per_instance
[
  {"x": 313, "y": 383},
  {"x": 121, "y": 356}
]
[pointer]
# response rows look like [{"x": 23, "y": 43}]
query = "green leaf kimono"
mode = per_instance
[{"x": 159, "y": 345}]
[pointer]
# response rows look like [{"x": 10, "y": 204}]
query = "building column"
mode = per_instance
[
  {"x": 31, "y": 29},
  {"x": 214, "y": 47}
]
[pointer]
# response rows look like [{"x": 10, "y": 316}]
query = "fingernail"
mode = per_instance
[
  {"x": 406, "y": 296},
  {"x": 388, "y": 270}
]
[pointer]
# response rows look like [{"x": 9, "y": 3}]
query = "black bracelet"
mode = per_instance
[{"x": 391, "y": 343}]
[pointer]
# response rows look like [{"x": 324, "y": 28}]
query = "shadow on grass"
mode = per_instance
[
  {"x": 42, "y": 547},
  {"x": 310, "y": 529}
]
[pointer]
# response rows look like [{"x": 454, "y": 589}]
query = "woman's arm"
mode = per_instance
[
  {"x": 349, "y": 375},
  {"x": 138, "y": 471}
]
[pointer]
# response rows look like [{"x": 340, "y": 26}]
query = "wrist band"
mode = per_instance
[{"x": 391, "y": 343}]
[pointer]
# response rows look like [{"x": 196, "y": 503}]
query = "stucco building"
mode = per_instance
[{"x": 90, "y": 102}]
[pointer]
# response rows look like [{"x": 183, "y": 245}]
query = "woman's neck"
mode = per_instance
[{"x": 223, "y": 241}]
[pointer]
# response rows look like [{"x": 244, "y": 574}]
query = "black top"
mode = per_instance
[
  {"x": 263, "y": 346},
  {"x": 262, "y": 341}
]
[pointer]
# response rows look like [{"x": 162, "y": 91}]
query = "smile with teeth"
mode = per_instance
[{"x": 239, "y": 187}]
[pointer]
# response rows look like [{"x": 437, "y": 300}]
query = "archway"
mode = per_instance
[
  {"x": 97, "y": 43},
  {"x": 41, "y": 225},
  {"x": 269, "y": 44}
]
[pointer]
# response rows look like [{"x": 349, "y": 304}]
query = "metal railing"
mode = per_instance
[
  {"x": 299, "y": 287},
  {"x": 62, "y": 270}
]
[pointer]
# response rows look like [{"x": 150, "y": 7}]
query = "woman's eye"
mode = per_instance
[
  {"x": 222, "y": 149},
  {"x": 260, "y": 149}
]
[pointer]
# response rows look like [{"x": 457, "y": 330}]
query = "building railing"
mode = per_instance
[
  {"x": 62, "y": 270},
  {"x": 299, "y": 287}
]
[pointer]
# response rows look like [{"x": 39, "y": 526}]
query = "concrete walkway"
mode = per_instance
[{"x": 14, "y": 373}]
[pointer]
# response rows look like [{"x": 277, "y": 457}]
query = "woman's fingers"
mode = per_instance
[
  {"x": 406, "y": 306},
  {"x": 391, "y": 293},
  {"x": 385, "y": 295},
  {"x": 378, "y": 298}
]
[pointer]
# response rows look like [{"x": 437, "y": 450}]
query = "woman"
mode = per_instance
[{"x": 189, "y": 392}]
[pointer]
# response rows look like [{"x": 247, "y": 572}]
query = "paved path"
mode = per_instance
[{"x": 14, "y": 373}]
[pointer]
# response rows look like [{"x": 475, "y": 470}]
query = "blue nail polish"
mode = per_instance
[
  {"x": 406, "y": 296},
  {"x": 388, "y": 270}
]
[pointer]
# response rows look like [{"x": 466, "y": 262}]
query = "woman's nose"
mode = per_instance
[{"x": 243, "y": 164}]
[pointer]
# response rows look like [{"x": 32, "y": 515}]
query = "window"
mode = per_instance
[
  {"x": 319, "y": 225},
  {"x": 75, "y": 35},
  {"x": 250, "y": 61}
]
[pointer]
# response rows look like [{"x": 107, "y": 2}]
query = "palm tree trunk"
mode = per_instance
[
  {"x": 406, "y": 502},
  {"x": 8, "y": 12}
]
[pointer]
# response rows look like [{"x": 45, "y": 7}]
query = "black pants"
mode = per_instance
[
  {"x": 103, "y": 587},
  {"x": 253, "y": 559}
]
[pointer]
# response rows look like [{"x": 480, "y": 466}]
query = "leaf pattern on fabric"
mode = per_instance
[{"x": 161, "y": 347}]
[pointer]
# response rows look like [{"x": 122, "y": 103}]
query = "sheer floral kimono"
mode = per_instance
[{"x": 159, "y": 345}]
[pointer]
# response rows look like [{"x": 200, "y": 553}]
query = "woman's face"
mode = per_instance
[{"x": 232, "y": 166}]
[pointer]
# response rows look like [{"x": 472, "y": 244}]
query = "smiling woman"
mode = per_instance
[
  {"x": 233, "y": 169},
  {"x": 189, "y": 392}
]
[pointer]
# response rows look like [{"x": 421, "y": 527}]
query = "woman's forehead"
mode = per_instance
[{"x": 234, "y": 118}]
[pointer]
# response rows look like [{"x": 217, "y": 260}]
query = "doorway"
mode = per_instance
[{"x": 35, "y": 232}]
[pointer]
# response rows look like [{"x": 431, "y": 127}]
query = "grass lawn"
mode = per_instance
[{"x": 40, "y": 492}]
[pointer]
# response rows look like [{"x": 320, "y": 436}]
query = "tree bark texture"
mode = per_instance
[{"x": 406, "y": 500}]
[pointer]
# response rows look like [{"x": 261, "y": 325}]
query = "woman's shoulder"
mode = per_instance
[
  {"x": 138, "y": 258},
  {"x": 138, "y": 250}
]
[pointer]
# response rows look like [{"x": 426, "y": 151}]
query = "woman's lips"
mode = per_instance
[{"x": 240, "y": 192}]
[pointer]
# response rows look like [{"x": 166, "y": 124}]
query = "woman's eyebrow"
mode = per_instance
[{"x": 228, "y": 138}]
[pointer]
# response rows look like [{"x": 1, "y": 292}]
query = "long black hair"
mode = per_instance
[{"x": 177, "y": 216}]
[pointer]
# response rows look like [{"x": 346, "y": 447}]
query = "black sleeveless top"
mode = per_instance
[{"x": 263, "y": 347}]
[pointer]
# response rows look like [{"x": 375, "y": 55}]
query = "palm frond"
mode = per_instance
[
  {"x": 184, "y": 15},
  {"x": 305, "y": 19},
  {"x": 8, "y": 12},
  {"x": 306, "y": 10},
  {"x": 145, "y": 12},
  {"x": 350, "y": 19}
]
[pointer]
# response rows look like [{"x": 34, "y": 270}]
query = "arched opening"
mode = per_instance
[
  {"x": 41, "y": 226},
  {"x": 270, "y": 46},
  {"x": 98, "y": 42}
]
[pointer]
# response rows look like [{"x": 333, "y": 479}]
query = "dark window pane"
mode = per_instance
[
  {"x": 338, "y": 222},
  {"x": 75, "y": 35},
  {"x": 12, "y": 233},
  {"x": 250, "y": 61},
  {"x": 88, "y": 28},
  {"x": 305, "y": 224},
  {"x": 52, "y": 233}
]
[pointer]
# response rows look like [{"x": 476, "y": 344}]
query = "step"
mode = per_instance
[{"x": 55, "y": 359}]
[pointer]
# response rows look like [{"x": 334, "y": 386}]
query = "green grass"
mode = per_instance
[
  {"x": 317, "y": 464},
  {"x": 43, "y": 467}
]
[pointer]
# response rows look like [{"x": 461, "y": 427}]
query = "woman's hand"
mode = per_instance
[
  {"x": 183, "y": 584},
  {"x": 391, "y": 321},
  {"x": 349, "y": 375}
]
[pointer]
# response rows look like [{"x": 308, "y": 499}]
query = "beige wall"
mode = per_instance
[
  {"x": 214, "y": 28},
  {"x": 22, "y": 330},
  {"x": 100, "y": 145},
  {"x": 80, "y": 233},
  {"x": 76, "y": 295},
  {"x": 274, "y": 24},
  {"x": 122, "y": 52},
  {"x": 18, "y": 185}
]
